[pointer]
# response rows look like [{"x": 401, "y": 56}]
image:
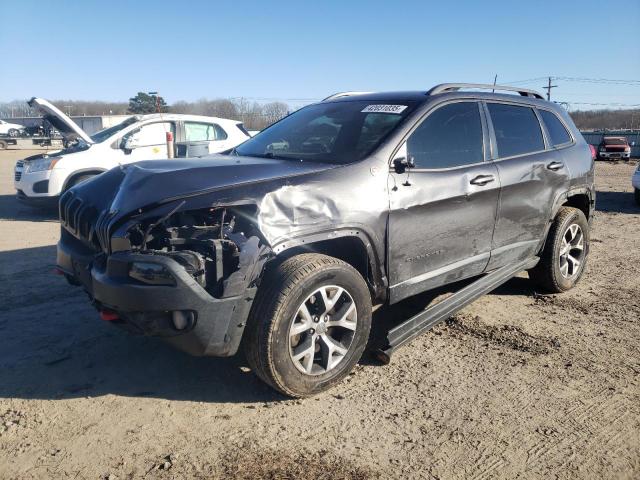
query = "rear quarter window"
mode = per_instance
[
  {"x": 516, "y": 128},
  {"x": 557, "y": 132}
]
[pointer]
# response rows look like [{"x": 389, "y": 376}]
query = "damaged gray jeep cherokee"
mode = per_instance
[{"x": 283, "y": 245}]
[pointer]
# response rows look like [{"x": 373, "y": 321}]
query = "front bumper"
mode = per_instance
[
  {"x": 42, "y": 184},
  {"x": 614, "y": 155},
  {"x": 146, "y": 309}
]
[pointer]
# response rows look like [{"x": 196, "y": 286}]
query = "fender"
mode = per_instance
[
  {"x": 364, "y": 235},
  {"x": 81, "y": 171},
  {"x": 560, "y": 200}
]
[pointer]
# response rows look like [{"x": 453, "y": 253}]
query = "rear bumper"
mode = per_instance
[{"x": 216, "y": 327}]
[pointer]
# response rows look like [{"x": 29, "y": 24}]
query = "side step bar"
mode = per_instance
[{"x": 427, "y": 319}]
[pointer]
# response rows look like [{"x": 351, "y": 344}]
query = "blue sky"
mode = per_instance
[{"x": 298, "y": 51}]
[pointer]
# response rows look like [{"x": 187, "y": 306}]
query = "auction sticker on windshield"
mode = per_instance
[{"x": 397, "y": 109}]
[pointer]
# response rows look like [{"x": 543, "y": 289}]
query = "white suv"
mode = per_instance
[{"x": 42, "y": 178}]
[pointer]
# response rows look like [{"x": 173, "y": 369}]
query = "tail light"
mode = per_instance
[{"x": 594, "y": 153}]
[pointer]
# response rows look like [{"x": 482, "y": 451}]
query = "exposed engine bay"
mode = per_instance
[{"x": 207, "y": 242}]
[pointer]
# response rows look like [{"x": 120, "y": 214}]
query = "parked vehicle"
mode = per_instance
[
  {"x": 10, "y": 129},
  {"x": 614, "y": 148},
  {"x": 361, "y": 199},
  {"x": 635, "y": 181},
  {"x": 42, "y": 178}
]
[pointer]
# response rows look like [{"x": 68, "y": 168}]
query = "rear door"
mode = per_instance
[
  {"x": 532, "y": 175},
  {"x": 202, "y": 138},
  {"x": 442, "y": 212}
]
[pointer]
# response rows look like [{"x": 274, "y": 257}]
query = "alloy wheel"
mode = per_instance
[
  {"x": 571, "y": 251},
  {"x": 322, "y": 330}
]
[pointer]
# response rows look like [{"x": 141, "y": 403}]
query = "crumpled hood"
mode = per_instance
[{"x": 158, "y": 181}]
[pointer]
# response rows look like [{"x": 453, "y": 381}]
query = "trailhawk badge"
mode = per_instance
[{"x": 397, "y": 109}]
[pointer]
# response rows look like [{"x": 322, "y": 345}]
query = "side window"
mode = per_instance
[
  {"x": 220, "y": 133},
  {"x": 152, "y": 134},
  {"x": 451, "y": 136},
  {"x": 556, "y": 129},
  {"x": 203, "y": 132},
  {"x": 517, "y": 129}
]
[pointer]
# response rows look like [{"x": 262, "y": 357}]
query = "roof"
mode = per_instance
[
  {"x": 452, "y": 90},
  {"x": 182, "y": 116}
]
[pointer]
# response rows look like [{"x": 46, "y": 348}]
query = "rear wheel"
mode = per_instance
[
  {"x": 564, "y": 255},
  {"x": 309, "y": 324},
  {"x": 637, "y": 195},
  {"x": 13, "y": 132}
]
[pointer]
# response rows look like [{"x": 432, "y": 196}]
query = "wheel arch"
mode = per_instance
[
  {"x": 582, "y": 198},
  {"x": 79, "y": 173},
  {"x": 351, "y": 245}
]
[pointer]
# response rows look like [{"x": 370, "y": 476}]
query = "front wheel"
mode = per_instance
[
  {"x": 309, "y": 324},
  {"x": 565, "y": 252},
  {"x": 13, "y": 132},
  {"x": 78, "y": 180}
]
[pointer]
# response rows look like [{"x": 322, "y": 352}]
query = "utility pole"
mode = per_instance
[
  {"x": 548, "y": 89},
  {"x": 155, "y": 94},
  {"x": 495, "y": 79}
]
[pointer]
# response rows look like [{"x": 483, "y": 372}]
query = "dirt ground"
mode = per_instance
[{"x": 517, "y": 385}]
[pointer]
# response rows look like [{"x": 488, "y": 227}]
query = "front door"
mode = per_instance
[
  {"x": 150, "y": 142},
  {"x": 442, "y": 211}
]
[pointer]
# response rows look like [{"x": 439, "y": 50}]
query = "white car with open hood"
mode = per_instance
[{"x": 42, "y": 178}]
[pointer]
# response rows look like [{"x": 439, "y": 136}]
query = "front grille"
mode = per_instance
[
  {"x": 18, "y": 170},
  {"x": 79, "y": 218}
]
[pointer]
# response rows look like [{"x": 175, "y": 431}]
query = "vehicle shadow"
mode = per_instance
[
  {"x": 616, "y": 202},
  {"x": 387, "y": 317},
  {"x": 54, "y": 345},
  {"x": 12, "y": 209}
]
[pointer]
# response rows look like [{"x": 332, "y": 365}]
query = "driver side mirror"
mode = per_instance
[
  {"x": 130, "y": 143},
  {"x": 402, "y": 161}
]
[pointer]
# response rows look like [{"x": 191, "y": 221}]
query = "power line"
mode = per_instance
[
  {"x": 606, "y": 81},
  {"x": 636, "y": 105}
]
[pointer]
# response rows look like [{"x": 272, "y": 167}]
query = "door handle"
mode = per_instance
[
  {"x": 482, "y": 180},
  {"x": 555, "y": 166}
]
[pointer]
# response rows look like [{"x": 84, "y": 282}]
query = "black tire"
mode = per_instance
[
  {"x": 637, "y": 195},
  {"x": 13, "y": 132},
  {"x": 78, "y": 180},
  {"x": 3, "y": 145},
  {"x": 547, "y": 273},
  {"x": 284, "y": 289}
]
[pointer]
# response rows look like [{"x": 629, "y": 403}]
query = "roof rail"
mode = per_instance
[
  {"x": 453, "y": 87},
  {"x": 343, "y": 94}
]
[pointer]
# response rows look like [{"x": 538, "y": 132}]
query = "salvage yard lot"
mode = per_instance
[{"x": 517, "y": 384}]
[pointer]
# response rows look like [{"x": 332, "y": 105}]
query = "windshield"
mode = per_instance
[
  {"x": 103, "y": 134},
  {"x": 615, "y": 141},
  {"x": 340, "y": 132}
]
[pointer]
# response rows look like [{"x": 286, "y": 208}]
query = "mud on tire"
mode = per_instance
[{"x": 288, "y": 319}]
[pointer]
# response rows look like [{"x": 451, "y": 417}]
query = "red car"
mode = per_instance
[{"x": 614, "y": 147}]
